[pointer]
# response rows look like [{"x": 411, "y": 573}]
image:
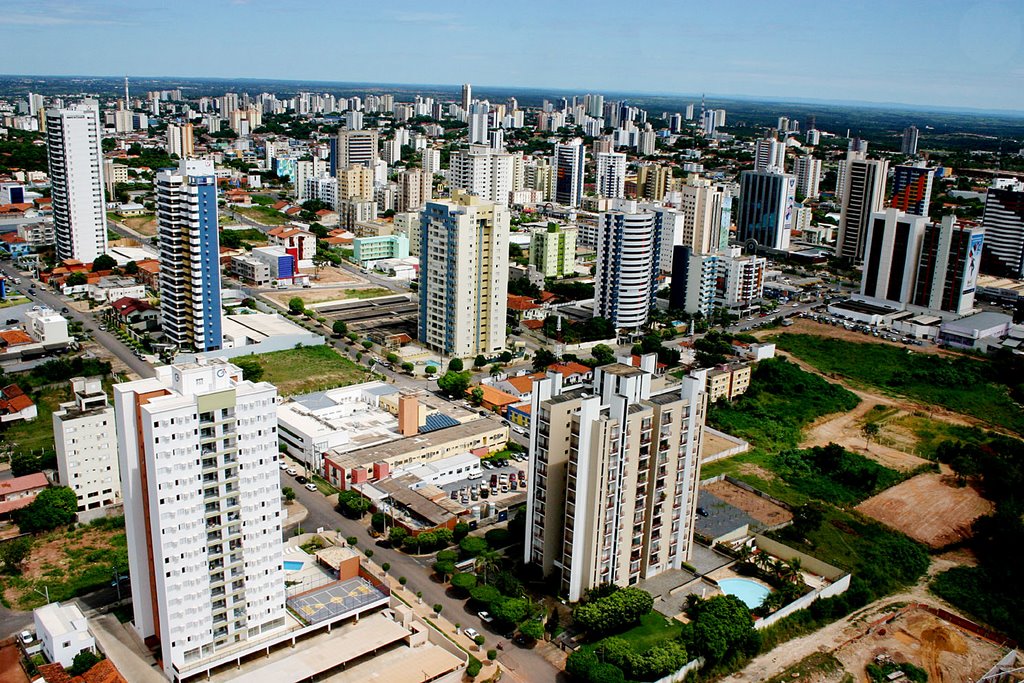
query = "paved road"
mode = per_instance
[
  {"x": 528, "y": 664},
  {"x": 105, "y": 339}
]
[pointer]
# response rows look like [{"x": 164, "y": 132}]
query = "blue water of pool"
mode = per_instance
[
  {"x": 750, "y": 592},
  {"x": 292, "y": 566}
]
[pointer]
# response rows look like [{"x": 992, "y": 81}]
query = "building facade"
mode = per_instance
[
  {"x": 86, "y": 445},
  {"x": 863, "y": 194},
  {"x": 75, "y": 157},
  {"x": 615, "y": 469},
  {"x": 628, "y": 263},
  {"x": 912, "y": 189},
  {"x": 198, "y": 452},
  {"x": 190, "y": 291},
  {"x": 1004, "y": 228},
  {"x": 611, "y": 174},
  {"x": 766, "y": 208},
  {"x": 463, "y": 276},
  {"x": 567, "y": 166},
  {"x": 553, "y": 250}
]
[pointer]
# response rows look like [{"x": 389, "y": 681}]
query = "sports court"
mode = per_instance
[{"x": 335, "y": 599}]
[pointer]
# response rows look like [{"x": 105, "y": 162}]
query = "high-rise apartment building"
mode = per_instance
[
  {"x": 479, "y": 114},
  {"x": 857, "y": 151},
  {"x": 863, "y": 195},
  {"x": 947, "y": 269},
  {"x": 628, "y": 263},
  {"x": 615, "y": 469},
  {"x": 807, "y": 170},
  {"x": 553, "y": 250},
  {"x": 568, "y": 162},
  {"x": 770, "y": 155},
  {"x": 701, "y": 207},
  {"x": 484, "y": 172},
  {"x": 653, "y": 181},
  {"x": 766, "y": 208},
  {"x": 355, "y": 182},
  {"x": 432, "y": 160},
  {"x": 197, "y": 448},
  {"x": 73, "y": 138},
  {"x": 611, "y": 174},
  {"x": 86, "y": 445},
  {"x": 909, "y": 144},
  {"x": 354, "y": 148},
  {"x": 186, "y": 216},
  {"x": 463, "y": 276},
  {"x": 694, "y": 279},
  {"x": 892, "y": 248},
  {"x": 467, "y": 96},
  {"x": 1004, "y": 228},
  {"x": 912, "y": 188},
  {"x": 180, "y": 140},
  {"x": 415, "y": 189}
]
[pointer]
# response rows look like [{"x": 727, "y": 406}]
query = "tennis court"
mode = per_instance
[{"x": 336, "y": 599}]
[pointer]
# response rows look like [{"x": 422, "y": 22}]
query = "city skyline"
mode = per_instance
[{"x": 983, "y": 46}]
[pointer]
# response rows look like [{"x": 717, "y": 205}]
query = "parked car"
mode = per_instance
[
  {"x": 485, "y": 616},
  {"x": 471, "y": 633},
  {"x": 284, "y": 465},
  {"x": 301, "y": 480},
  {"x": 292, "y": 471},
  {"x": 310, "y": 486}
]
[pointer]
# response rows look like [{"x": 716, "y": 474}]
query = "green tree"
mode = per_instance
[
  {"x": 131, "y": 268},
  {"x": 476, "y": 396},
  {"x": 580, "y": 663},
  {"x": 339, "y": 328},
  {"x": 352, "y": 504},
  {"x": 296, "y": 305},
  {"x": 408, "y": 367},
  {"x": 460, "y": 532},
  {"x": 103, "y": 262},
  {"x": 82, "y": 662},
  {"x": 397, "y": 535},
  {"x": 76, "y": 279},
  {"x": 472, "y": 546},
  {"x": 453, "y": 384},
  {"x": 320, "y": 260},
  {"x": 479, "y": 361},
  {"x": 484, "y": 594},
  {"x": 532, "y": 628},
  {"x": 603, "y": 354},
  {"x": 455, "y": 365},
  {"x": 511, "y": 610},
  {"x": 487, "y": 561},
  {"x": 288, "y": 492},
  {"x": 14, "y": 552},
  {"x": 464, "y": 581},
  {"x": 495, "y": 370},
  {"x": 543, "y": 358},
  {"x": 622, "y": 608},
  {"x": 430, "y": 370},
  {"x": 444, "y": 569},
  {"x": 505, "y": 357},
  {"x": 870, "y": 430},
  {"x": 378, "y": 521},
  {"x": 53, "y": 507},
  {"x": 251, "y": 369},
  {"x": 723, "y": 625}
]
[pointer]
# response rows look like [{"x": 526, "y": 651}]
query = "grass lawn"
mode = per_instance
[
  {"x": 262, "y": 214},
  {"x": 262, "y": 200},
  {"x": 324, "y": 487},
  {"x": 930, "y": 433},
  {"x": 367, "y": 293},
  {"x": 68, "y": 564},
  {"x": 14, "y": 301},
  {"x": 309, "y": 368},
  {"x": 964, "y": 385},
  {"x": 652, "y": 630},
  {"x": 38, "y": 434}
]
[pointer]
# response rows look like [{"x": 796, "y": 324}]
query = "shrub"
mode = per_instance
[
  {"x": 622, "y": 608},
  {"x": 492, "y": 654},
  {"x": 474, "y": 666}
]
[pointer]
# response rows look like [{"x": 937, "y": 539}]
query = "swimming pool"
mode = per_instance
[
  {"x": 292, "y": 566},
  {"x": 750, "y": 592}
]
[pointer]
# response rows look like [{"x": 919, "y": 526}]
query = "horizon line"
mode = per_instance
[{"x": 796, "y": 100}]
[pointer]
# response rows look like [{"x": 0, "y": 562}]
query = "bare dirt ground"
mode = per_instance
[
  {"x": 837, "y": 634},
  {"x": 929, "y": 508},
  {"x": 946, "y": 652},
  {"x": 805, "y": 326},
  {"x": 332, "y": 276},
  {"x": 144, "y": 225},
  {"x": 312, "y": 296},
  {"x": 764, "y": 511},
  {"x": 713, "y": 445},
  {"x": 101, "y": 352},
  {"x": 10, "y": 669}
]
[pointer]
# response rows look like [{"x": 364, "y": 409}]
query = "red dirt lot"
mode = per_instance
[
  {"x": 764, "y": 511},
  {"x": 10, "y": 667},
  {"x": 929, "y": 508}
]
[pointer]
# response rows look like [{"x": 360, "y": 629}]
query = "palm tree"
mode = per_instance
[
  {"x": 793, "y": 571},
  {"x": 488, "y": 559},
  {"x": 869, "y": 430}
]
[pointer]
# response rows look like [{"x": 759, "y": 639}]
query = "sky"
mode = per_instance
[{"x": 943, "y": 53}]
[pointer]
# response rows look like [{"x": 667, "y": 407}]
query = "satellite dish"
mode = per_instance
[{"x": 750, "y": 246}]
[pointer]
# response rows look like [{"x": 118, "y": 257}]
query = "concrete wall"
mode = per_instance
[
  {"x": 267, "y": 346},
  {"x": 811, "y": 564},
  {"x": 834, "y": 588},
  {"x": 586, "y": 346},
  {"x": 681, "y": 675},
  {"x": 740, "y": 447}
]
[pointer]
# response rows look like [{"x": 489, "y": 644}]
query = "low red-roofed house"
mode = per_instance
[
  {"x": 327, "y": 218},
  {"x": 280, "y": 206},
  {"x": 19, "y": 209},
  {"x": 103, "y": 672},
  {"x": 14, "y": 244},
  {"x": 521, "y": 386},
  {"x": 572, "y": 372},
  {"x": 533, "y": 324},
  {"x": 524, "y": 308},
  {"x": 9, "y": 338},
  {"x": 54, "y": 673},
  {"x": 494, "y": 398},
  {"x": 18, "y": 492},
  {"x": 16, "y": 405}
]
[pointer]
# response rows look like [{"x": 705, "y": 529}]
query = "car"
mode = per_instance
[
  {"x": 486, "y": 464},
  {"x": 485, "y": 616},
  {"x": 103, "y": 328},
  {"x": 292, "y": 471},
  {"x": 310, "y": 486},
  {"x": 64, "y": 310},
  {"x": 522, "y": 475},
  {"x": 494, "y": 490},
  {"x": 474, "y": 495},
  {"x": 12, "y": 321},
  {"x": 284, "y": 465},
  {"x": 471, "y": 633},
  {"x": 485, "y": 493},
  {"x": 454, "y": 495},
  {"x": 504, "y": 488},
  {"x": 301, "y": 480},
  {"x": 27, "y": 637},
  {"x": 702, "y": 512},
  {"x": 513, "y": 485}
]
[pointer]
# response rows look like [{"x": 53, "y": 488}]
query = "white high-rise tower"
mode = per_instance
[
  {"x": 73, "y": 138},
  {"x": 197, "y": 448}
]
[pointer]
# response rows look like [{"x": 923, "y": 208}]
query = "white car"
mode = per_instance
[
  {"x": 27, "y": 637},
  {"x": 471, "y": 633},
  {"x": 485, "y": 616},
  {"x": 292, "y": 471},
  {"x": 310, "y": 486},
  {"x": 284, "y": 465}
]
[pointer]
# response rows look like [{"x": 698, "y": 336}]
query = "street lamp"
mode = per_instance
[{"x": 46, "y": 594}]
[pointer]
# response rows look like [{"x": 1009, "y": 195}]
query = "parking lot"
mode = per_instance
[{"x": 466, "y": 489}]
